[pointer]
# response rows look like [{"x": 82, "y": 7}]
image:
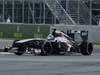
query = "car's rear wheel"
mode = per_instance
[{"x": 86, "y": 48}]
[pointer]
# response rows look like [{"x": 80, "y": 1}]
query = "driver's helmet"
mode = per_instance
[{"x": 50, "y": 36}]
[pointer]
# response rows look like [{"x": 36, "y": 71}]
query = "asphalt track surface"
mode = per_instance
[{"x": 71, "y": 64}]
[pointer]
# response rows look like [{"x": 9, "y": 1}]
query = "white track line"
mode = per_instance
[{"x": 5, "y": 53}]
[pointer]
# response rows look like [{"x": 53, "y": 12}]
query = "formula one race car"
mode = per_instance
[{"x": 49, "y": 46}]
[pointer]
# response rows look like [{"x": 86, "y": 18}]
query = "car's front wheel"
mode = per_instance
[
  {"x": 19, "y": 53},
  {"x": 46, "y": 48},
  {"x": 21, "y": 49}
]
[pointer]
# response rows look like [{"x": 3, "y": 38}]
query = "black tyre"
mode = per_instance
[
  {"x": 6, "y": 50},
  {"x": 19, "y": 52},
  {"x": 14, "y": 42},
  {"x": 21, "y": 49},
  {"x": 86, "y": 48},
  {"x": 46, "y": 48}
]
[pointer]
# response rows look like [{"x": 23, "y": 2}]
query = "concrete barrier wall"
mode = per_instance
[
  {"x": 22, "y": 31},
  {"x": 93, "y": 31}
]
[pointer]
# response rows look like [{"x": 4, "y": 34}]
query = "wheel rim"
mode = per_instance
[{"x": 47, "y": 48}]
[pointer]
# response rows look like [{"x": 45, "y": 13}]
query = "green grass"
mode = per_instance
[
  {"x": 7, "y": 39},
  {"x": 96, "y": 43},
  {"x": 1, "y": 50}
]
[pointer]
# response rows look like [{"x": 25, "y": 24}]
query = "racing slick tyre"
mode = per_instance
[
  {"x": 86, "y": 48},
  {"x": 14, "y": 42},
  {"x": 46, "y": 48},
  {"x": 19, "y": 53},
  {"x": 21, "y": 49},
  {"x": 5, "y": 49}
]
